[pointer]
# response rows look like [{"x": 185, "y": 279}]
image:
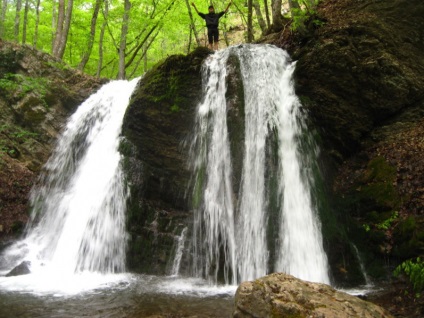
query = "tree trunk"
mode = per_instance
[
  {"x": 123, "y": 39},
  {"x": 54, "y": 23},
  {"x": 277, "y": 21},
  {"x": 102, "y": 34},
  {"x": 227, "y": 41},
  {"x": 90, "y": 43},
  {"x": 249, "y": 22},
  {"x": 193, "y": 27},
  {"x": 145, "y": 59},
  {"x": 261, "y": 20},
  {"x": 17, "y": 19},
  {"x": 62, "y": 28},
  {"x": 268, "y": 21},
  {"x": 65, "y": 31},
  {"x": 58, "y": 26},
  {"x": 37, "y": 22},
  {"x": 189, "y": 40},
  {"x": 3, "y": 16},
  {"x": 24, "y": 30}
]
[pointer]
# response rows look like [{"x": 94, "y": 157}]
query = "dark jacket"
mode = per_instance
[{"x": 212, "y": 19}]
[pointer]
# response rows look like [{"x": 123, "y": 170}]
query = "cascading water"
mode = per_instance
[
  {"x": 231, "y": 230},
  {"x": 214, "y": 229},
  {"x": 78, "y": 218},
  {"x": 175, "y": 270}
]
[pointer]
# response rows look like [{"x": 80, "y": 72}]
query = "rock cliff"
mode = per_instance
[{"x": 156, "y": 126}]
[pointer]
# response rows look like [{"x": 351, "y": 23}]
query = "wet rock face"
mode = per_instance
[
  {"x": 363, "y": 67},
  {"x": 281, "y": 295},
  {"x": 157, "y": 127}
]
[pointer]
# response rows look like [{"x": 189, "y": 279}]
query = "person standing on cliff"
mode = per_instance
[{"x": 212, "y": 20}]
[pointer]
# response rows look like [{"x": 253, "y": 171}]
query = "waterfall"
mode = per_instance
[
  {"x": 368, "y": 281},
  {"x": 78, "y": 206},
  {"x": 214, "y": 237},
  {"x": 175, "y": 270},
  {"x": 232, "y": 229}
]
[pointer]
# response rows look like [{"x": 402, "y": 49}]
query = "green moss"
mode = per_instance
[
  {"x": 384, "y": 194},
  {"x": 406, "y": 227},
  {"x": 126, "y": 148},
  {"x": 409, "y": 238},
  {"x": 379, "y": 170},
  {"x": 58, "y": 65},
  {"x": 17, "y": 86},
  {"x": 175, "y": 108}
]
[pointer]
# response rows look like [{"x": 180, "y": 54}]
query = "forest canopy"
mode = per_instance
[{"x": 124, "y": 38}]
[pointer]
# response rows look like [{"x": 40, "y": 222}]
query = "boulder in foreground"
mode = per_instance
[{"x": 281, "y": 295}]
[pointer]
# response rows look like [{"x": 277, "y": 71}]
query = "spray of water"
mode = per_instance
[
  {"x": 230, "y": 229},
  {"x": 78, "y": 218}
]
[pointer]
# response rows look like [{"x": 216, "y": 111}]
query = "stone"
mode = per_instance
[
  {"x": 282, "y": 295},
  {"x": 21, "y": 269}
]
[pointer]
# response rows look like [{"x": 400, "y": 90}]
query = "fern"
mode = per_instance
[{"x": 414, "y": 269}]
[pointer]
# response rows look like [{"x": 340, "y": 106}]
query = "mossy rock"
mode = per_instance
[
  {"x": 9, "y": 60},
  {"x": 409, "y": 237},
  {"x": 379, "y": 170}
]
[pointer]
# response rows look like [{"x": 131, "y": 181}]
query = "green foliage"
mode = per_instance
[
  {"x": 379, "y": 170},
  {"x": 386, "y": 224},
  {"x": 383, "y": 225},
  {"x": 175, "y": 108},
  {"x": 414, "y": 269},
  {"x": 17, "y": 85},
  {"x": 166, "y": 25},
  {"x": 366, "y": 227},
  {"x": 7, "y": 84},
  {"x": 14, "y": 134},
  {"x": 303, "y": 12},
  {"x": 58, "y": 65}
]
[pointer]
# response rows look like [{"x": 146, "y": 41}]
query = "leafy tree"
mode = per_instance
[{"x": 115, "y": 38}]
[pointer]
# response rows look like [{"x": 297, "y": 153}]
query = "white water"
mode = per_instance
[
  {"x": 79, "y": 205},
  {"x": 235, "y": 224},
  {"x": 214, "y": 235},
  {"x": 179, "y": 253},
  {"x": 367, "y": 279}
]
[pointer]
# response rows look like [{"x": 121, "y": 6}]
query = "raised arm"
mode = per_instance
[{"x": 194, "y": 6}]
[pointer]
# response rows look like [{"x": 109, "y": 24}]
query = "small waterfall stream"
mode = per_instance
[
  {"x": 231, "y": 229},
  {"x": 78, "y": 208}
]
